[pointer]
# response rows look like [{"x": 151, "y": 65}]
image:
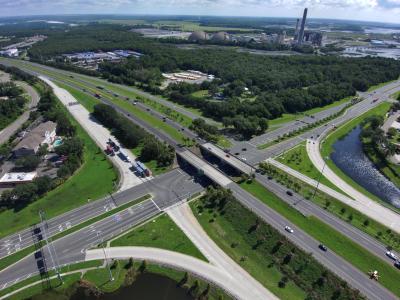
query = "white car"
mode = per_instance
[
  {"x": 391, "y": 255},
  {"x": 288, "y": 229}
]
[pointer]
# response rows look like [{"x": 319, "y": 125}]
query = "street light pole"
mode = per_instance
[
  {"x": 319, "y": 180},
  {"x": 105, "y": 257}
]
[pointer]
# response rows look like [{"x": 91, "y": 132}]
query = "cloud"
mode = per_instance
[{"x": 380, "y": 10}]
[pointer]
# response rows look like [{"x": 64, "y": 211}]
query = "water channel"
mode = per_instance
[
  {"x": 146, "y": 287},
  {"x": 348, "y": 155}
]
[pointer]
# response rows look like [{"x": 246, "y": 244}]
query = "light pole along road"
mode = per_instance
[{"x": 325, "y": 260}]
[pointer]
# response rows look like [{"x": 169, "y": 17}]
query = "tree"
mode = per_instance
[
  {"x": 366, "y": 222},
  {"x": 391, "y": 132},
  {"x": 28, "y": 163}
]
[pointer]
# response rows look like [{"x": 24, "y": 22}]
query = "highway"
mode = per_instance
[
  {"x": 254, "y": 156},
  {"x": 165, "y": 189},
  {"x": 338, "y": 265}
]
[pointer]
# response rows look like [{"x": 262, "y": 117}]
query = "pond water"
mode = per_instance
[
  {"x": 348, "y": 155},
  {"x": 147, "y": 286}
]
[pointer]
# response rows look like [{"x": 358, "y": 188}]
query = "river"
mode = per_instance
[
  {"x": 348, "y": 155},
  {"x": 147, "y": 286}
]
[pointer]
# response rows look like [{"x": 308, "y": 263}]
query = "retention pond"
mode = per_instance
[
  {"x": 147, "y": 286},
  {"x": 348, "y": 155}
]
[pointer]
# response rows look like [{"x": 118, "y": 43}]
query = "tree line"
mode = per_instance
[
  {"x": 131, "y": 136},
  {"x": 72, "y": 149},
  {"x": 13, "y": 103},
  {"x": 262, "y": 240}
]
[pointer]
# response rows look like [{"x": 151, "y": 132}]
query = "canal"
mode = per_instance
[
  {"x": 147, "y": 286},
  {"x": 348, "y": 155}
]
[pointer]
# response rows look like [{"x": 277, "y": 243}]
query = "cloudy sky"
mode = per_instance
[{"x": 374, "y": 10}]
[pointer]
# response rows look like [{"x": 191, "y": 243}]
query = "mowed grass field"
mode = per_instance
[
  {"x": 94, "y": 179},
  {"x": 160, "y": 232}
]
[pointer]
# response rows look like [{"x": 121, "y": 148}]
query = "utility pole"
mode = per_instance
[
  {"x": 105, "y": 256},
  {"x": 319, "y": 180},
  {"x": 50, "y": 246}
]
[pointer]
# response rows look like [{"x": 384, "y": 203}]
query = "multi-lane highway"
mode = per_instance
[
  {"x": 165, "y": 190},
  {"x": 335, "y": 263}
]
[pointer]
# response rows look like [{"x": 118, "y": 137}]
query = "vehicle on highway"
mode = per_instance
[
  {"x": 288, "y": 229},
  {"x": 71, "y": 76},
  {"x": 290, "y": 193},
  {"x": 243, "y": 158},
  {"x": 100, "y": 87},
  {"x": 323, "y": 247},
  {"x": 391, "y": 255},
  {"x": 134, "y": 103},
  {"x": 97, "y": 96},
  {"x": 397, "y": 264}
]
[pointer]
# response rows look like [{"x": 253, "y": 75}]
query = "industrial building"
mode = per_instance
[
  {"x": 14, "y": 178},
  {"x": 198, "y": 36}
]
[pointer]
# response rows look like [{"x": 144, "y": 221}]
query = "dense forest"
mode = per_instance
[
  {"x": 279, "y": 85},
  {"x": 11, "y": 103}
]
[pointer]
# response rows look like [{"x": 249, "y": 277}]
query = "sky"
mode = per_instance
[{"x": 368, "y": 10}]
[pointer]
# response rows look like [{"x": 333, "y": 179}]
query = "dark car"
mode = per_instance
[
  {"x": 397, "y": 264},
  {"x": 323, "y": 247},
  {"x": 290, "y": 193},
  {"x": 38, "y": 254},
  {"x": 244, "y": 149}
]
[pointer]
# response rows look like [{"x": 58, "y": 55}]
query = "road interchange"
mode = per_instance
[{"x": 261, "y": 212}]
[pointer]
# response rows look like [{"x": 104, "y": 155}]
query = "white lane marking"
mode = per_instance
[{"x": 156, "y": 205}]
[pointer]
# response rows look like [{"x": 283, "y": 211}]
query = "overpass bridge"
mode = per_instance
[{"x": 228, "y": 158}]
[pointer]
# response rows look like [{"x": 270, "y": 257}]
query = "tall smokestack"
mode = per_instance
[
  {"x": 303, "y": 23},
  {"x": 296, "y": 32}
]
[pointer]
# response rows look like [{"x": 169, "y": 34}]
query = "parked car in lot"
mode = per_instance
[
  {"x": 288, "y": 229},
  {"x": 322, "y": 247},
  {"x": 391, "y": 255}
]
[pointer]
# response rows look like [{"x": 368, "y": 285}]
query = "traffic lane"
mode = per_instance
[
  {"x": 140, "y": 105},
  {"x": 74, "y": 217},
  {"x": 70, "y": 249},
  {"x": 333, "y": 262},
  {"x": 306, "y": 207}
]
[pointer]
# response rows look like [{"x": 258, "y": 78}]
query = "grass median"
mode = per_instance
[
  {"x": 371, "y": 227},
  {"x": 160, "y": 232},
  {"x": 336, "y": 242},
  {"x": 297, "y": 158}
]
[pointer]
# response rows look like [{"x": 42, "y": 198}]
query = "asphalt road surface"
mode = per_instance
[
  {"x": 308, "y": 208},
  {"x": 329, "y": 259},
  {"x": 165, "y": 189}
]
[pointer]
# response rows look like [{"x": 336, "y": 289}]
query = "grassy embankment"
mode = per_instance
[
  {"x": 298, "y": 159},
  {"x": 94, "y": 179},
  {"x": 355, "y": 254},
  {"x": 268, "y": 256},
  {"x": 160, "y": 232},
  {"x": 327, "y": 146},
  {"x": 373, "y": 228}
]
